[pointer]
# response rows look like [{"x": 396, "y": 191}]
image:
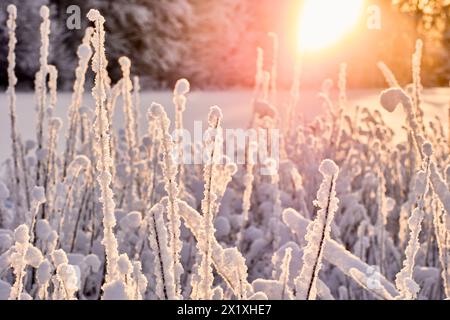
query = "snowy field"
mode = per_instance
[
  {"x": 351, "y": 203},
  {"x": 236, "y": 107}
]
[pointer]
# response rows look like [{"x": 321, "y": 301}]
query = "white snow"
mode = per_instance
[
  {"x": 21, "y": 234},
  {"x": 235, "y": 105}
]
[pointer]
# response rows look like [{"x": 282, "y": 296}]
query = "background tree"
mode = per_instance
[{"x": 432, "y": 23}]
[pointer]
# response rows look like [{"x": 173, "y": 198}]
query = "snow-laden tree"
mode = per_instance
[
  {"x": 63, "y": 41},
  {"x": 27, "y": 48},
  {"x": 151, "y": 33}
]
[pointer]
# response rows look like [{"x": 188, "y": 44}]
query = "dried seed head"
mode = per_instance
[
  {"x": 231, "y": 168},
  {"x": 45, "y": 12},
  {"x": 56, "y": 122},
  {"x": 124, "y": 264},
  {"x": 59, "y": 257},
  {"x": 93, "y": 262},
  {"x": 93, "y": 15},
  {"x": 328, "y": 167},
  {"x": 215, "y": 116},
  {"x": 124, "y": 62},
  {"x": 427, "y": 149},
  {"x": 156, "y": 110},
  {"x": 43, "y": 229},
  {"x": 33, "y": 256},
  {"x": 181, "y": 87},
  {"x": 12, "y": 10},
  {"x": 44, "y": 272},
  {"x": 390, "y": 98}
]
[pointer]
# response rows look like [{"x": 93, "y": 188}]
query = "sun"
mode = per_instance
[{"x": 324, "y": 22}]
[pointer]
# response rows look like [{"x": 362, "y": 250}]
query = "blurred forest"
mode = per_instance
[{"x": 213, "y": 42}]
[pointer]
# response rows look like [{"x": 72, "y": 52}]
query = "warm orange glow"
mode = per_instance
[{"x": 324, "y": 22}]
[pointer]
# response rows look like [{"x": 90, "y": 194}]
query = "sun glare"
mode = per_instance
[{"x": 324, "y": 22}]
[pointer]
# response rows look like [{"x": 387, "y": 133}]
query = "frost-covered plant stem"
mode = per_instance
[
  {"x": 25, "y": 174},
  {"x": 286, "y": 293},
  {"x": 38, "y": 198},
  {"x": 65, "y": 282},
  {"x": 416, "y": 65},
  {"x": 250, "y": 152},
  {"x": 52, "y": 126},
  {"x": 84, "y": 55},
  {"x": 18, "y": 263},
  {"x": 441, "y": 233},
  {"x": 388, "y": 75},
  {"x": 104, "y": 161},
  {"x": 75, "y": 169},
  {"x": 136, "y": 105},
  {"x": 276, "y": 200},
  {"x": 382, "y": 215},
  {"x": 442, "y": 222},
  {"x": 208, "y": 204},
  {"x": 41, "y": 88},
  {"x": 318, "y": 232},
  {"x": 52, "y": 88},
  {"x": 169, "y": 169},
  {"x": 182, "y": 87},
  {"x": 86, "y": 168},
  {"x": 51, "y": 166},
  {"x": 130, "y": 127},
  {"x": 440, "y": 188},
  {"x": 404, "y": 281},
  {"x": 152, "y": 155},
  {"x": 389, "y": 99},
  {"x": 12, "y": 80},
  {"x": 163, "y": 264},
  {"x": 224, "y": 268}
]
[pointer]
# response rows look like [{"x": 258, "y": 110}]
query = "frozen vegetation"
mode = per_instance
[{"x": 350, "y": 202}]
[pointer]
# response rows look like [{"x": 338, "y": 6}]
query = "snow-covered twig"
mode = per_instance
[
  {"x": 334, "y": 252},
  {"x": 388, "y": 75},
  {"x": 318, "y": 232},
  {"x": 12, "y": 80},
  {"x": 209, "y": 205},
  {"x": 84, "y": 55},
  {"x": 169, "y": 169},
  {"x": 130, "y": 133},
  {"x": 41, "y": 87},
  {"x": 163, "y": 264},
  {"x": 404, "y": 281},
  {"x": 102, "y": 141},
  {"x": 182, "y": 87}
]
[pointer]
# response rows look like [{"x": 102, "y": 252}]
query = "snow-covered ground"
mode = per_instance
[{"x": 235, "y": 105}]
